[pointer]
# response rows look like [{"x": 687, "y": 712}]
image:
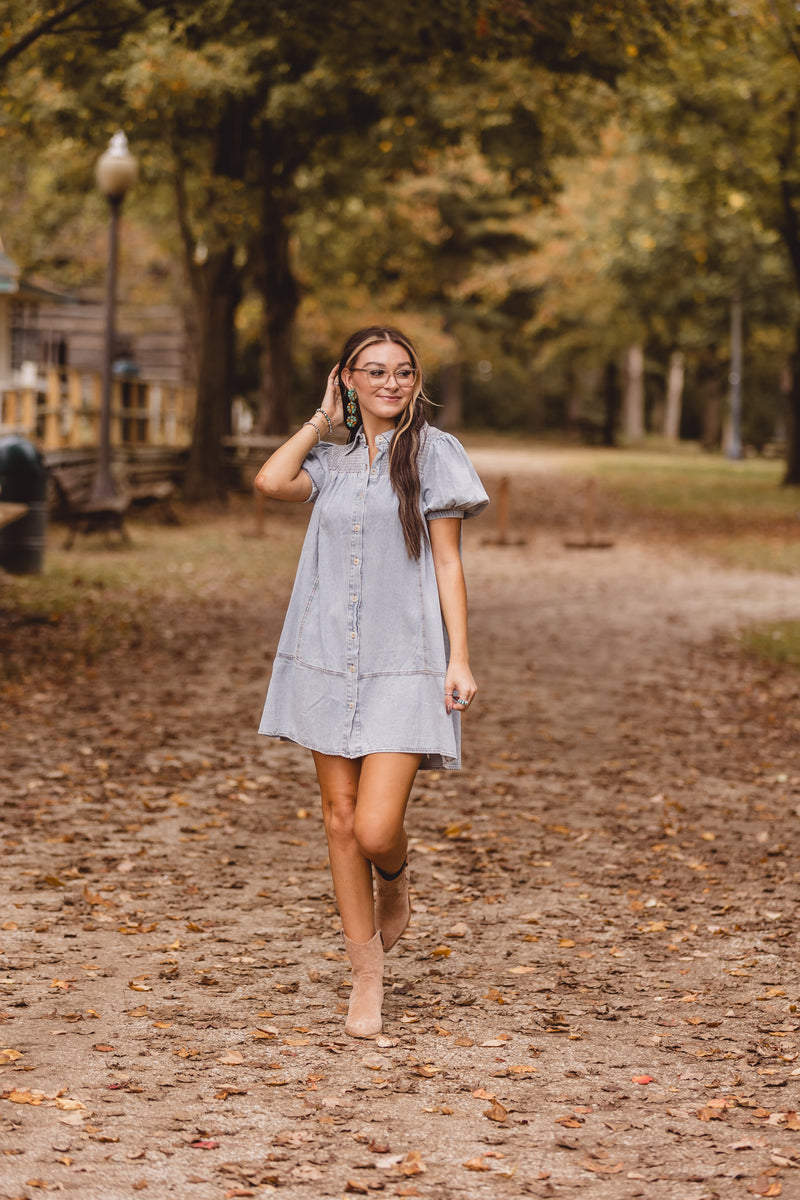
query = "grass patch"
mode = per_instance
[
  {"x": 779, "y": 643},
  {"x": 736, "y": 512}
]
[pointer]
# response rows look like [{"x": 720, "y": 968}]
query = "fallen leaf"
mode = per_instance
[
  {"x": 205, "y": 1144},
  {"x": 497, "y": 1112},
  {"x": 231, "y": 1059},
  {"x": 23, "y": 1097},
  {"x": 412, "y": 1164},
  {"x": 476, "y": 1164},
  {"x": 600, "y": 1168},
  {"x": 643, "y": 1079},
  {"x": 764, "y": 1186}
]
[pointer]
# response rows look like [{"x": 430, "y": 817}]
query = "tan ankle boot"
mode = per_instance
[
  {"x": 392, "y": 907},
  {"x": 366, "y": 998}
]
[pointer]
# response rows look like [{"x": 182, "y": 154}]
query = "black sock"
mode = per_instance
[{"x": 390, "y": 878}]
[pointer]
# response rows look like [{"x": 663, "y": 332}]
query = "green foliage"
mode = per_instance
[{"x": 529, "y": 185}]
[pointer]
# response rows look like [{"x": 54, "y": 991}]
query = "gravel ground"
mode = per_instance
[{"x": 598, "y": 992}]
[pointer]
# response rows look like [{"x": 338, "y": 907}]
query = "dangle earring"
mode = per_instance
[{"x": 351, "y": 411}]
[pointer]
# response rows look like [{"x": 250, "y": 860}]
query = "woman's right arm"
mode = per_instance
[{"x": 282, "y": 476}]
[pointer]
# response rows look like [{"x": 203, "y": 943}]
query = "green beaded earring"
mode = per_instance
[{"x": 351, "y": 412}]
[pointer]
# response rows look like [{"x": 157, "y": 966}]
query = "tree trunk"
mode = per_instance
[
  {"x": 709, "y": 378},
  {"x": 633, "y": 412},
  {"x": 280, "y": 298},
  {"x": 792, "y": 475},
  {"x": 450, "y": 413},
  {"x": 611, "y": 400},
  {"x": 217, "y": 301},
  {"x": 675, "y": 380}
]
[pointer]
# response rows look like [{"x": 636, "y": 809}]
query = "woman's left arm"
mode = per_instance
[{"x": 445, "y": 535}]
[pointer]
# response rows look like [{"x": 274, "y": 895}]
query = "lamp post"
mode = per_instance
[{"x": 116, "y": 173}]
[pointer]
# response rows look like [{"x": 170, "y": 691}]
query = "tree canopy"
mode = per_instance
[{"x": 532, "y": 186}]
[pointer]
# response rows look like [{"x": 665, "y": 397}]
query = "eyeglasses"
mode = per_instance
[{"x": 403, "y": 376}]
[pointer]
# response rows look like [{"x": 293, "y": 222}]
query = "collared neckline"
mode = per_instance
[{"x": 382, "y": 441}]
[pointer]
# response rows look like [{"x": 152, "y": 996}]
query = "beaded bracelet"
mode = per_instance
[
  {"x": 316, "y": 430},
  {"x": 327, "y": 418}
]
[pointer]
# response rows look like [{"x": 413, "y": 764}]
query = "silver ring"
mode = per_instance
[{"x": 463, "y": 703}]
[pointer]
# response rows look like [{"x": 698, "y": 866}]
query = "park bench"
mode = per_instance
[{"x": 73, "y": 483}]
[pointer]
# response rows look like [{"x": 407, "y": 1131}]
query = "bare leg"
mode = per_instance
[
  {"x": 383, "y": 792},
  {"x": 364, "y": 805},
  {"x": 350, "y": 870}
]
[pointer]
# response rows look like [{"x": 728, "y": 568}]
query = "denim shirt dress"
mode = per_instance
[{"x": 361, "y": 662}]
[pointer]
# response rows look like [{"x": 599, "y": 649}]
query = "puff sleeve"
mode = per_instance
[
  {"x": 450, "y": 486},
  {"x": 316, "y": 466}
]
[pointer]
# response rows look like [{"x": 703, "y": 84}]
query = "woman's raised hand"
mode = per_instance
[{"x": 332, "y": 402}]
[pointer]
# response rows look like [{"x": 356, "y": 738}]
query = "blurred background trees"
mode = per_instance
[{"x": 561, "y": 202}]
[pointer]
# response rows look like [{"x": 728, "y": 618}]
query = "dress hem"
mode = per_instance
[{"x": 448, "y": 762}]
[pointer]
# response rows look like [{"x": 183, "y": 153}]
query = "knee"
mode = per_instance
[
  {"x": 338, "y": 813},
  {"x": 375, "y": 839}
]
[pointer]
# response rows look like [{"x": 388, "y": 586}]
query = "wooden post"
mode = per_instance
[
  {"x": 94, "y": 412},
  {"x": 28, "y": 411},
  {"x": 503, "y": 493},
  {"x": 502, "y": 506},
  {"x": 155, "y": 425},
  {"x": 73, "y": 408},
  {"x": 590, "y": 511},
  {"x": 52, "y": 411},
  {"x": 589, "y": 541}
]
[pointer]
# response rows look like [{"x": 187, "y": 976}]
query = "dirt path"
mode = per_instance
[{"x": 598, "y": 993}]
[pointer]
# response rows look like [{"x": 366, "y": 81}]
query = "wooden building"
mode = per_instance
[{"x": 51, "y": 363}]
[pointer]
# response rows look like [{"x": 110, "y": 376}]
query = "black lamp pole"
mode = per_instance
[{"x": 116, "y": 172}]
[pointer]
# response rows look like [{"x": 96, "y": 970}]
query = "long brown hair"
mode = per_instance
[{"x": 403, "y": 466}]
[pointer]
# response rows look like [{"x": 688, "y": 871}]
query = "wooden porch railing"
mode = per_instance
[{"x": 62, "y": 411}]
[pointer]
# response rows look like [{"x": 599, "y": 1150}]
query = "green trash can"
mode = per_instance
[{"x": 23, "y": 480}]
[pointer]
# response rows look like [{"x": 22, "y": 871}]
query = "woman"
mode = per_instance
[{"x": 372, "y": 669}]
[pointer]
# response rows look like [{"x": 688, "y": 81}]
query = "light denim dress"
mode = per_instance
[{"x": 362, "y": 658}]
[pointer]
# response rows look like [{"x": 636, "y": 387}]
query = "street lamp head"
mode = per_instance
[{"x": 116, "y": 168}]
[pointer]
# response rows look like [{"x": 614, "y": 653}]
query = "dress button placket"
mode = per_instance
[{"x": 352, "y": 737}]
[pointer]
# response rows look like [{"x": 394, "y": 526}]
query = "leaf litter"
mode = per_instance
[{"x": 609, "y": 889}]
